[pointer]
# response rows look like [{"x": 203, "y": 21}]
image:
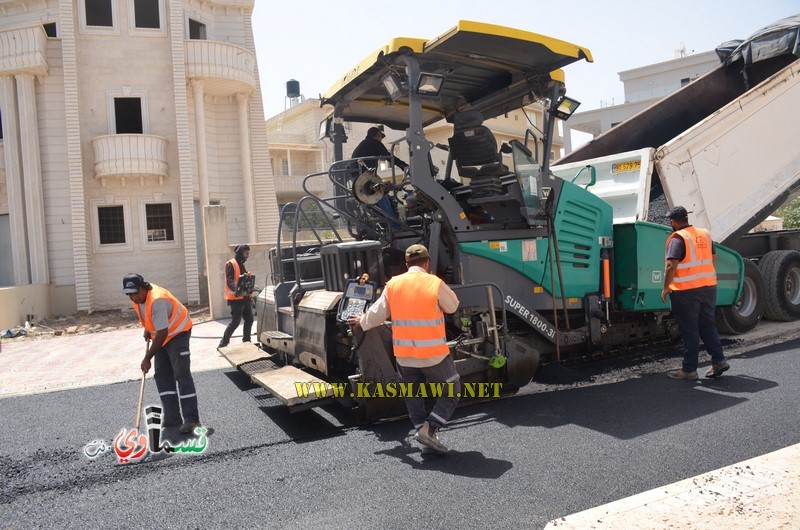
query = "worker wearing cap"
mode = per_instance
[
  {"x": 240, "y": 303},
  {"x": 168, "y": 325},
  {"x": 372, "y": 146},
  {"x": 416, "y": 302},
  {"x": 690, "y": 281}
]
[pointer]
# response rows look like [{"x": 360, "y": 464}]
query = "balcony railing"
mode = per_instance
[
  {"x": 227, "y": 68},
  {"x": 23, "y": 50},
  {"x": 293, "y": 185},
  {"x": 130, "y": 156}
]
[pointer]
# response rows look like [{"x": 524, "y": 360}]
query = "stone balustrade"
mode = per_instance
[
  {"x": 130, "y": 156},
  {"x": 226, "y": 69},
  {"x": 23, "y": 50}
]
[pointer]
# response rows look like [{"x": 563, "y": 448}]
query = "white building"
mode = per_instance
[
  {"x": 119, "y": 119},
  {"x": 643, "y": 87}
]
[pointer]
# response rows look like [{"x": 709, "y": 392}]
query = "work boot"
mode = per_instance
[
  {"x": 680, "y": 374},
  {"x": 716, "y": 370},
  {"x": 189, "y": 427},
  {"x": 427, "y": 435}
]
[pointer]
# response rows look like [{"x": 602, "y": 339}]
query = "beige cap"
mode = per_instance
[{"x": 416, "y": 251}]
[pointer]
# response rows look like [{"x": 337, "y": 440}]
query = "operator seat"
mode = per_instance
[{"x": 474, "y": 148}]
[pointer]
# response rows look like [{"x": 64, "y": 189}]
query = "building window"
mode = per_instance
[
  {"x": 158, "y": 223},
  {"x": 99, "y": 13},
  {"x": 146, "y": 14},
  {"x": 128, "y": 116},
  {"x": 285, "y": 167},
  {"x": 197, "y": 30},
  {"x": 158, "y": 218},
  {"x": 98, "y": 17},
  {"x": 50, "y": 30},
  {"x": 111, "y": 224}
]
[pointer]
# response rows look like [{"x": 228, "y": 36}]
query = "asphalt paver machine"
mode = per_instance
[{"x": 542, "y": 273}]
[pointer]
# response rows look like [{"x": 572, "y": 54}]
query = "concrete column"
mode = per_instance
[
  {"x": 215, "y": 220},
  {"x": 567, "y": 139},
  {"x": 198, "y": 94},
  {"x": 16, "y": 196},
  {"x": 243, "y": 102},
  {"x": 32, "y": 177}
]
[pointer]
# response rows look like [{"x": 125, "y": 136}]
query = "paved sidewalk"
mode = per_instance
[
  {"x": 763, "y": 493},
  {"x": 31, "y": 367}
]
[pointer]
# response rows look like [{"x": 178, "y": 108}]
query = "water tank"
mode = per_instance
[{"x": 292, "y": 89}]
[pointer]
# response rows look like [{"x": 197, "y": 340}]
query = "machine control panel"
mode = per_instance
[{"x": 358, "y": 295}]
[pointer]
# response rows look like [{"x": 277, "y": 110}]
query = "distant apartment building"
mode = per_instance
[
  {"x": 120, "y": 120},
  {"x": 295, "y": 150},
  {"x": 643, "y": 87}
]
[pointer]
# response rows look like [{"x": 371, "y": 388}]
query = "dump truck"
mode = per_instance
[
  {"x": 723, "y": 146},
  {"x": 542, "y": 272}
]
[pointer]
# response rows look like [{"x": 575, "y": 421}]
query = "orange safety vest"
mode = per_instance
[
  {"x": 696, "y": 269},
  {"x": 417, "y": 319},
  {"x": 179, "y": 320},
  {"x": 230, "y": 295}
]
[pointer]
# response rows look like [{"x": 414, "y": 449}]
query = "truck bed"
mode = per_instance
[
  {"x": 678, "y": 111},
  {"x": 738, "y": 165},
  {"x": 730, "y": 168}
]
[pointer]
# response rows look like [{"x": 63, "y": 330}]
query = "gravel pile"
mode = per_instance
[{"x": 658, "y": 210}]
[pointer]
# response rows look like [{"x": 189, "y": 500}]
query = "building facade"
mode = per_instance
[{"x": 120, "y": 120}]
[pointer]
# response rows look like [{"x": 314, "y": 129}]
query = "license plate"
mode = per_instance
[{"x": 622, "y": 167}]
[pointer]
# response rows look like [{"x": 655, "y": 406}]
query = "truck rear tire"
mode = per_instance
[
  {"x": 745, "y": 314},
  {"x": 781, "y": 270}
]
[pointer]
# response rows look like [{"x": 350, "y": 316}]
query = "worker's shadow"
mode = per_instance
[{"x": 471, "y": 464}]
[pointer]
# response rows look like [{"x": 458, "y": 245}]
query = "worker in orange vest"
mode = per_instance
[
  {"x": 168, "y": 326},
  {"x": 690, "y": 281},
  {"x": 239, "y": 301},
  {"x": 416, "y": 302}
]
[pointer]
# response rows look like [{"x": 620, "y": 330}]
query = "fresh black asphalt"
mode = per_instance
[{"x": 518, "y": 461}]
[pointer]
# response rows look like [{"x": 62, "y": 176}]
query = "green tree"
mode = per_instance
[{"x": 790, "y": 212}]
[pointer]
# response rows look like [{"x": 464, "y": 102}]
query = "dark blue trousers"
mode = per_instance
[
  {"x": 444, "y": 372},
  {"x": 175, "y": 383},
  {"x": 694, "y": 311}
]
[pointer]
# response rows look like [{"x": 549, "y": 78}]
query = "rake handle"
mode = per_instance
[{"x": 141, "y": 388}]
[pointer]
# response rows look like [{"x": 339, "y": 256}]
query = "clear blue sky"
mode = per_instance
[{"x": 316, "y": 42}]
